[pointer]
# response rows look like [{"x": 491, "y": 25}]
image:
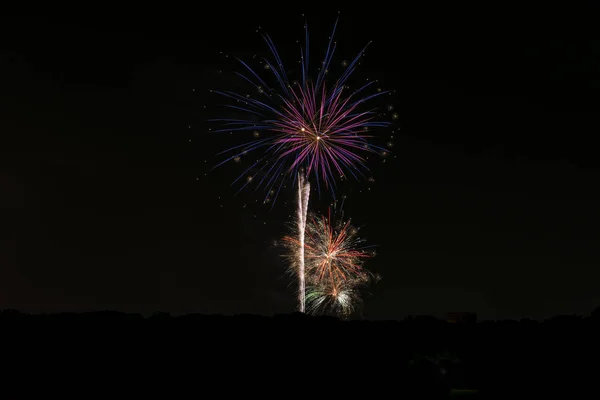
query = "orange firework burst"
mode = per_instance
[
  {"x": 333, "y": 253},
  {"x": 334, "y": 257}
]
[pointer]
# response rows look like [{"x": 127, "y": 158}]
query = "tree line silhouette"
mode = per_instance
[{"x": 418, "y": 357}]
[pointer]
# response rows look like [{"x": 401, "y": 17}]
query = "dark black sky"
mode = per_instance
[{"x": 489, "y": 203}]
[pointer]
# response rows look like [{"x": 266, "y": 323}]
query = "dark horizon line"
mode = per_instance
[{"x": 296, "y": 315}]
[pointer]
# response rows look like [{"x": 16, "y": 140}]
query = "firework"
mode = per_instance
[
  {"x": 338, "y": 299},
  {"x": 312, "y": 129},
  {"x": 332, "y": 263}
]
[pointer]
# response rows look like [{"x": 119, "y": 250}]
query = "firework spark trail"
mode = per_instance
[{"x": 303, "y": 196}]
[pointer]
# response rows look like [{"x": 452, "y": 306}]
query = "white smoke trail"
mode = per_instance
[{"x": 303, "y": 196}]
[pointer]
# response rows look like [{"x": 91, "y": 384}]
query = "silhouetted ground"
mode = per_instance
[{"x": 298, "y": 356}]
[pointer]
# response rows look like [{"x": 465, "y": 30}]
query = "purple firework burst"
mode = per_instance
[{"x": 316, "y": 129}]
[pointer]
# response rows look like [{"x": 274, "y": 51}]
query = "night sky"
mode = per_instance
[{"x": 488, "y": 202}]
